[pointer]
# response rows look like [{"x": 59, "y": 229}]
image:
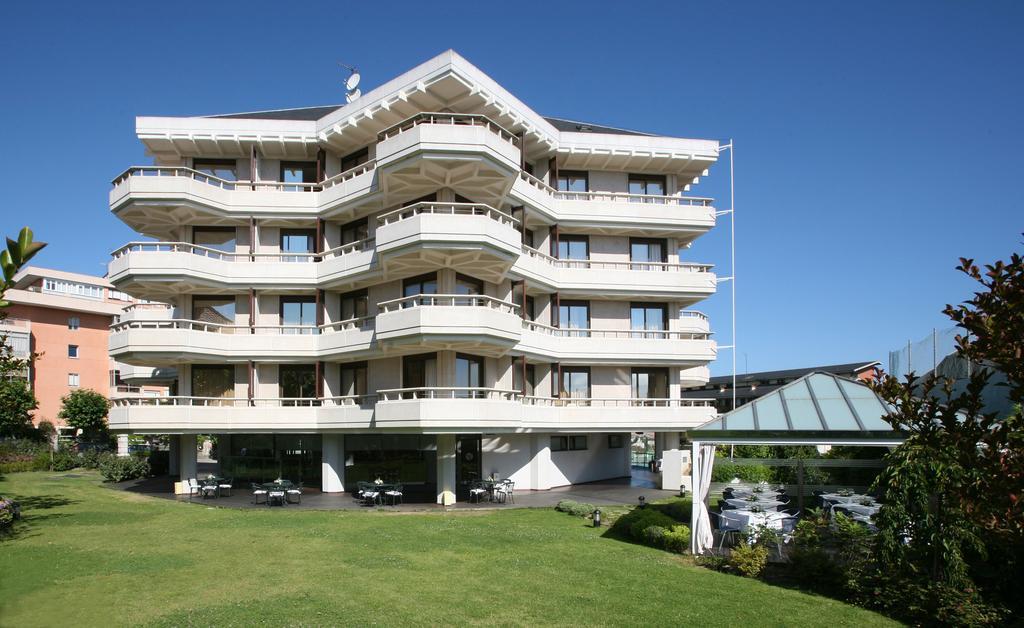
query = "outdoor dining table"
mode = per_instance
[
  {"x": 748, "y": 518},
  {"x": 845, "y": 499},
  {"x": 281, "y": 486}
]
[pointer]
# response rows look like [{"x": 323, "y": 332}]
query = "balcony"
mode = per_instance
[
  {"x": 630, "y": 212},
  {"x": 141, "y": 415},
  {"x": 143, "y": 195},
  {"x": 616, "y": 346},
  {"x": 170, "y": 341},
  {"x": 159, "y": 269},
  {"x": 587, "y": 277},
  {"x": 427, "y": 409},
  {"x": 433, "y": 322},
  {"x": 17, "y": 333}
]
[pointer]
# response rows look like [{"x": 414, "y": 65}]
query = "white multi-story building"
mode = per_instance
[{"x": 433, "y": 283}]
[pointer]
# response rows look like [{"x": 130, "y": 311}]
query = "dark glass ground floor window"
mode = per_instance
[
  {"x": 410, "y": 459},
  {"x": 259, "y": 458},
  {"x": 616, "y": 441},
  {"x": 575, "y": 442}
]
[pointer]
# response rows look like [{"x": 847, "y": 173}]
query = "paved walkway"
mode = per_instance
[{"x": 604, "y": 493}]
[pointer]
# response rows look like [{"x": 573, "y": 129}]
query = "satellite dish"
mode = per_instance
[
  {"x": 353, "y": 81},
  {"x": 353, "y": 95}
]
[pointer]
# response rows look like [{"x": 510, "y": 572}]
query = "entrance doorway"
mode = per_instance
[{"x": 468, "y": 466}]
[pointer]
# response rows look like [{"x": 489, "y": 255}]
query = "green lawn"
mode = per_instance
[{"x": 87, "y": 555}]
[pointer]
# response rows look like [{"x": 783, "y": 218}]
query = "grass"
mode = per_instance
[{"x": 88, "y": 555}]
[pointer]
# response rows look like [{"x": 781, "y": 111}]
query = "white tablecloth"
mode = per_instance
[
  {"x": 744, "y": 519},
  {"x": 746, "y": 492},
  {"x": 845, "y": 499}
]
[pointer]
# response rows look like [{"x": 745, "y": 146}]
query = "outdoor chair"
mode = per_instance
[
  {"x": 193, "y": 487},
  {"x": 226, "y": 486},
  {"x": 294, "y": 493},
  {"x": 209, "y": 490},
  {"x": 503, "y": 491},
  {"x": 727, "y": 527},
  {"x": 371, "y": 494},
  {"x": 395, "y": 494},
  {"x": 257, "y": 492},
  {"x": 477, "y": 491},
  {"x": 786, "y": 533},
  {"x": 276, "y": 495}
]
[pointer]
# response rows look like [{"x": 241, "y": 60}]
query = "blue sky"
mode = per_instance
[{"x": 876, "y": 142}]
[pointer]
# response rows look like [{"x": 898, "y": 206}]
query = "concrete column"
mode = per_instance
[
  {"x": 333, "y": 465},
  {"x": 446, "y": 469},
  {"x": 172, "y": 454},
  {"x": 122, "y": 445},
  {"x": 672, "y": 463},
  {"x": 187, "y": 457}
]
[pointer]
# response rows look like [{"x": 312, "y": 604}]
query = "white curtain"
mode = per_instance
[{"x": 703, "y": 462}]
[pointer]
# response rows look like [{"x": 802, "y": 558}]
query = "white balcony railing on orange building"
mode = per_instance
[
  {"x": 685, "y": 267},
  {"x": 451, "y": 209}
]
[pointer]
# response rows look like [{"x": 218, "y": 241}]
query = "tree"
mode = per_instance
[
  {"x": 953, "y": 492},
  {"x": 86, "y": 410},
  {"x": 16, "y": 405},
  {"x": 17, "y": 254}
]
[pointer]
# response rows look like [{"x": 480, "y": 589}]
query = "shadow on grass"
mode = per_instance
[{"x": 30, "y": 515}]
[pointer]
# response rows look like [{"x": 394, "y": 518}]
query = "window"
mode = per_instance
[
  {"x": 651, "y": 317},
  {"x": 217, "y": 238},
  {"x": 575, "y": 383},
  {"x": 651, "y": 184},
  {"x": 464, "y": 284},
  {"x": 299, "y": 241},
  {"x": 74, "y": 322},
  {"x": 649, "y": 383},
  {"x": 297, "y": 382},
  {"x": 298, "y": 314},
  {"x": 298, "y": 172},
  {"x": 573, "y": 247},
  {"x": 528, "y": 387},
  {"x": 424, "y": 284},
  {"x": 357, "y": 158},
  {"x": 469, "y": 373},
  {"x": 217, "y": 310},
  {"x": 73, "y": 380},
  {"x": 652, "y": 250},
  {"x": 616, "y": 441},
  {"x": 213, "y": 381},
  {"x": 526, "y": 302},
  {"x": 576, "y": 442},
  {"x": 573, "y": 181},
  {"x": 118, "y": 295},
  {"x": 73, "y": 351},
  {"x": 419, "y": 371},
  {"x": 574, "y": 316},
  {"x": 354, "y": 231},
  {"x": 72, "y": 288},
  {"x": 354, "y": 305},
  {"x": 353, "y": 379}
]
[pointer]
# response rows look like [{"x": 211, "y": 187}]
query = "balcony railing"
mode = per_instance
[
  {"x": 639, "y": 334},
  {"x": 244, "y": 402},
  {"x": 693, "y": 314},
  {"x": 447, "y": 300},
  {"x": 609, "y": 402},
  {"x": 221, "y": 328},
  {"x": 447, "y": 392},
  {"x": 604, "y": 265},
  {"x": 224, "y": 184},
  {"x": 450, "y": 119},
  {"x": 616, "y": 197},
  {"x": 452, "y": 209},
  {"x": 231, "y": 256},
  {"x": 351, "y": 173}
]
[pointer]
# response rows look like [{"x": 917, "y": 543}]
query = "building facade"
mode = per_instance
[
  {"x": 63, "y": 319},
  {"x": 432, "y": 284}
]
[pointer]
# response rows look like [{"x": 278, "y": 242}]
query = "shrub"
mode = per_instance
[
  {"x": 679, "y": 509},
  {"x": 653, "y": 536},
  {"x": 678, "y": 539},
  {"x": 576, "y": 509},
  {"x": 116, "y": 469},
  {"x": 91, "y": 458},
  {"x": 726, "y": 471},
  {"x": 749, "y": 560},
  {"x": 633, "y": 523},
  {"x": 566, "y": 505},
  {"x": 64, "y": 460}
]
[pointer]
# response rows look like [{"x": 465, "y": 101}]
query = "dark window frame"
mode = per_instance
[
  {"x": 640, "y": 305},
  {"x": 572, "y": 174},
  {"x": 353, "y": 295},
  {"x": 562, "y": 372},
  {"x": 287, "y": 298},
  {"x": 568, "y": 442},
  {"x": 200, "y": 164},
  {"x": 309, "y": 233},
  {"x": 572, "y": 237},
  {"x": 645, "y": 180},
  {"x": 662, "y": 241},
  {"x": 355, "y": 367},
  {"x": 469, "y": 279},
  {"x": 570, "y": 303},
  {"x": 419, "y": 279},
  {"x": 616, "y": 441},
  {"x": 362, "y": 224},
  {"x": 305, "y": 166},
  {"x": 355, "y": 159}
]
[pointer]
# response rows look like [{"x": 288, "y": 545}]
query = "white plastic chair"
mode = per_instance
[
  {"x": 296, "y": 493},
  {"x": 193, "y": 487},
  {"x": 257, "y": 492},
  {"x": 225, "y": 486},
  {"x": 727, "y": 526}
]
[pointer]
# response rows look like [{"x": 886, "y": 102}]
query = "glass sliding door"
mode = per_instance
[
  {"x": 263, "y": 458},
  {"x": 648, "y": 320},
  {"x": 297, "y": 384},
  {"x": 419, "y": 372},
  {"x": 574, "y": 318},
  {"x": 649, "y": 383},
  {"x": 213, "y": 384},
  {"x": 298, "y": 315},
  {"x": 469, "y": 374},
  {"x": 575, "y": 383},
  {"x": 409, "y": 459},
  {"x": 647, "y": 253},
  {"x": 353, "y": 379},
  {"x": 299, "y": 242},
  {"x": 219, "y": 311}
]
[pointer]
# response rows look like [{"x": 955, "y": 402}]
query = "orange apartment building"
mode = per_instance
[{"x": 64, "y": 318}]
